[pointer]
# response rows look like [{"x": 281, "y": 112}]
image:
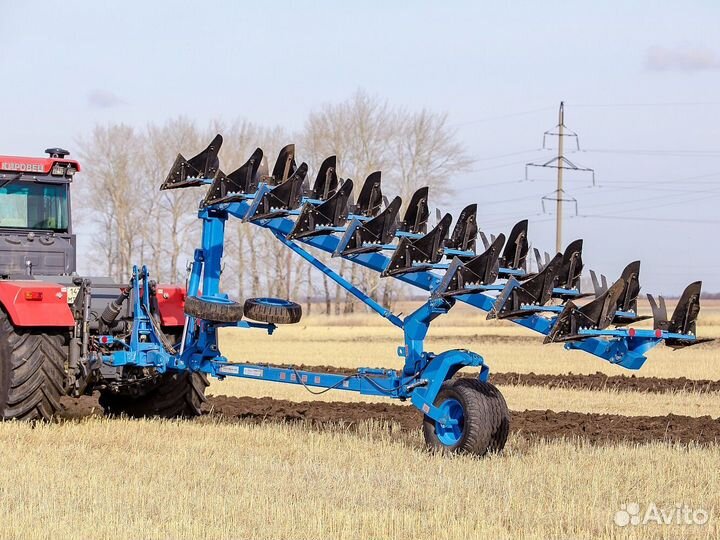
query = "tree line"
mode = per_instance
[{"x": 123, "y": 167}]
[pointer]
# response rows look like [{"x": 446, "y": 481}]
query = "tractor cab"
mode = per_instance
[{"x": 35, "y": 227}]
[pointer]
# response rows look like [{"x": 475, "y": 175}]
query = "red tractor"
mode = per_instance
[{"x": 49, "y": 314}]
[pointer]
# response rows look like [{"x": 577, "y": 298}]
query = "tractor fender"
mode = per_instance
[
  {"x": 36, "y": 303},
  {"x": 171, "y": 304}
]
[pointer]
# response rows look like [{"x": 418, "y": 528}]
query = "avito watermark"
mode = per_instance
[{"x": 632, "y": 514}]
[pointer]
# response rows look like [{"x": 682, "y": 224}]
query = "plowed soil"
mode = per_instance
[
  {"x": 600, "y": 381},
  {"x": 594, "y": 428},
  {"x": 597, "y": 381}
]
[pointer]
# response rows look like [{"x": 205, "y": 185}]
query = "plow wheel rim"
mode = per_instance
[{"x": 450, "y": 435}]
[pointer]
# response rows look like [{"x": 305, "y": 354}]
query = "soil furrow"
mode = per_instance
[
  {"x": 592, "y": 427},
  {"x": 571, "y": 381}
]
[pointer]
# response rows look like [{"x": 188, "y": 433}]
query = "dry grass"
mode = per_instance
[{"x": 150, "y": 479}]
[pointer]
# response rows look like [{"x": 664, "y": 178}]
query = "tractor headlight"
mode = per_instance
[{"x": 58, "y": 170}]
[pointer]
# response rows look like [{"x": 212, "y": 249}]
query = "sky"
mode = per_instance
[{"x": 640, "y": 80}]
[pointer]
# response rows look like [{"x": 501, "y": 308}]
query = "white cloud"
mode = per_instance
[
  {"x": 104, "y": 99},
  {"x": 682, "y": 58}
]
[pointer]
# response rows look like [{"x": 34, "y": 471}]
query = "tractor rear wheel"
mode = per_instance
[
  {"x": 32, "y": 371},
  {"x": 173, "y": 395},
  {"x": 482, "y": 419}
]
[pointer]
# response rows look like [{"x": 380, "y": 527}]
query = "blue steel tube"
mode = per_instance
[
  {"x": 213, "y": 238},
  {"x": 337, "y": 278}
]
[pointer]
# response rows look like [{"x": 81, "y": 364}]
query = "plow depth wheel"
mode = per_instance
[
  {"x": 214, "y": 311},
  {"x": 273, "y": 310},
  {"x": 481, "y": 419}
]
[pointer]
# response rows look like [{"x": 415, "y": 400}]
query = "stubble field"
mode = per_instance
[{"x": 272, "y": 461}]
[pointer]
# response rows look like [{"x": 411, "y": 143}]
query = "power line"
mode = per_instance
[
  {"x": 497, "y": 166},
  {"x": 500, "y": 117},
  {"x": 508, "y": 155},
  {"x": 656, "y": 153},
  {"x": 642, "y": 218},
  {"x": 665, "y": 104},
  {"x": 492, "y": 184}
]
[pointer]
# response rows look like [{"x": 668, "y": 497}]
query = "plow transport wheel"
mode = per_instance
[
  {"x": 213, "y": 310},
  {"x": 482, "y": 419},
  {"x": 273, "y": 310}
]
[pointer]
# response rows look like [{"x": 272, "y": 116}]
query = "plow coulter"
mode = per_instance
[{"x": 150, "y": 355}]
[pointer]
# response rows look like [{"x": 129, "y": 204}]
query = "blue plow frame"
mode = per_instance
[{"x": 423, "y": 372}]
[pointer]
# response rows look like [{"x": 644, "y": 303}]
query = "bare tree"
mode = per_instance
[
  {"x": 109, "y": 192},
  {"x": 411, "y": 149},
  {"x": 124, "y": 168}
]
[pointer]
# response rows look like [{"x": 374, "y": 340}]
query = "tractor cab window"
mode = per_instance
[{"x": 32, "y": 205}]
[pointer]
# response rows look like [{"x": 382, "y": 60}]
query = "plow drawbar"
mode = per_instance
[{"x": 462, "y": 414}]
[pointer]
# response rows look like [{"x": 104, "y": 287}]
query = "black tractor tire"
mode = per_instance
[
  {"x": 486, "y": 418},
  {"x": 32, "y": 370},
  {"x": 213, "y": 311},
  {"x": 273, "y": 310},
  {"x": 174, "y": 395}
]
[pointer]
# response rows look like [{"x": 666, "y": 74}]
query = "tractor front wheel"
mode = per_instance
[
  {"x": 32, "y": 370},
  {"x": 479, "y": 414},
  {"x": 173, "y": 395}
]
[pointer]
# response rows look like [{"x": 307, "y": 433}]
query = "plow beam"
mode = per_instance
[
  {"x": 275, "y": 202},
  {"x": 568, "y": 276},
  {"x": 285, "y": 166},
  {"x": 595, "y": 315},
  {"x": 326, "y": 182},
  {"x": 331, "y": 213},
  {"x": 627, "y": 303},
  {"x": 194, "y": 171},
  {"x": 684, "y": 317},
  {"x": 541, "y": 261},
  {"x": 426, "y": 250},
  {"x": 478, "y": 271},
  {"x": 536, "y": 291},
  {"x": 238, "y": 184},
  {"x": 370, "y": 198},
  {"x": 464, "y": 235},
  {"x": 371, "y": 235},
  {"x": 417, "y": 213},
  {"x": 516, "y": 248}
]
